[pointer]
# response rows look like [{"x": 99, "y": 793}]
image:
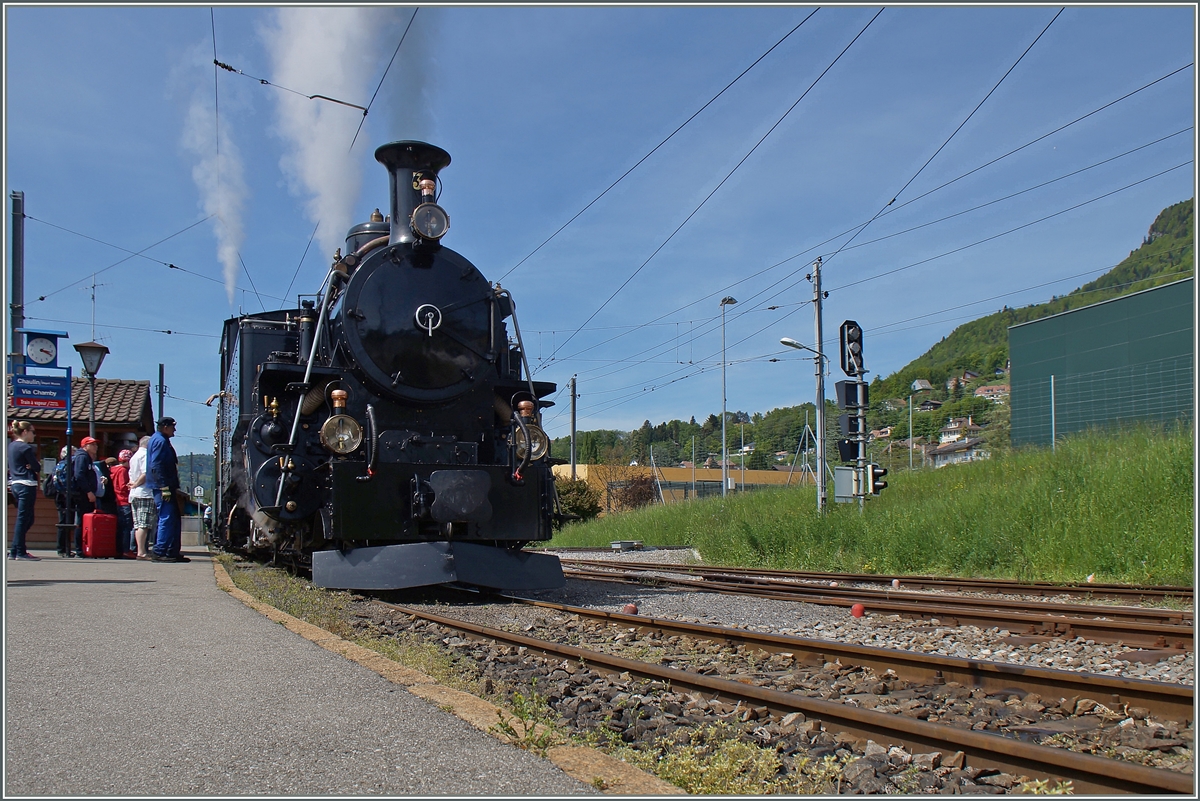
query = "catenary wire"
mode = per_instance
[
  {"x": 1015, "y": 150},
  {"x": 659, "y": 145},
  {"x": 124, "y": 327},
  {"x": 1040, "y": 138},
  {"x": 789, "y": 314},
  {"x": 634, "y": 327},
  {"x": 948, "y": 139},
  {"x": 301, "y": 262},
  {"x": 131, "y": 253},
  {"x": 382, "y": 78},
  {"x": 723, "y": 180}
]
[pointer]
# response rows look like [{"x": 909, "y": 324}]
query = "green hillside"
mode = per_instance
[{"x": 981, "y": 345}]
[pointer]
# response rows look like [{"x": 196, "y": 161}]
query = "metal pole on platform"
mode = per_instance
[{"x": 17, "y": 300}]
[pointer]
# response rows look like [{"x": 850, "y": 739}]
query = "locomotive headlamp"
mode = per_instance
[
  {"x": 541, "y": 443},
  {"x": 341, "y": 433},
  {"x": 430, "y": 221}
]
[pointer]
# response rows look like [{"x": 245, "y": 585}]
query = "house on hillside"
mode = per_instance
[
  {"x": 962, "y": 450},
  {"x": 881, "y": 433},
  {"x": 958, "y": 428},
  {"x": 929, "y": 405},
  {"x": 921, "y": 384},
  {"x": 996, "y": 393},
  {"x": 895, "y": 404},
  {"x": 964, "y": 379}
]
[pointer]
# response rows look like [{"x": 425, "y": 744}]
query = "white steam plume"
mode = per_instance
[
  {"x": 340, "y": 53},
  {"x": 219, "y": 176}
]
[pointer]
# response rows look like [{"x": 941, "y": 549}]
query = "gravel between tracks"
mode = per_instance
[
  {"x": 835, "y": 623},
  {"x": 638, "y": 713}
]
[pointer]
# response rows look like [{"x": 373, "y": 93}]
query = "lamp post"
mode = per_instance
[
  {"x": 93, "y": 354},
  {"x": 725, "y": 301},
  {"x": 915, "y": 389},
  {"x": 818, "y": 359}
]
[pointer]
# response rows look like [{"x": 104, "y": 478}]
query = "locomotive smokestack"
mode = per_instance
[{"x": 413, "y": 167}]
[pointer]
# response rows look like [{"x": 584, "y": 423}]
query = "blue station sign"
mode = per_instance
[{"x": 40, "y": 391}]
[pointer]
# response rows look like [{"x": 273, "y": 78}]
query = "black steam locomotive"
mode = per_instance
[{"x": 386, "y": 435}]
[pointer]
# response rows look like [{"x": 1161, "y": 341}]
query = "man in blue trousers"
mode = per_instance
[{"x": 162, "y": 477}]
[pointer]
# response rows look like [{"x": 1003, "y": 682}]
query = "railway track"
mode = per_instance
[
  {"x": 1135, "y": 626},
  {"x": 1088, "y": 773},
  {"x": 1123, "y": 592}
]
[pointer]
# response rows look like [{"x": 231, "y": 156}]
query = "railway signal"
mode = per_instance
[
  {"x": 851, "y": 338},
  {"x": 875, "y": 482}
]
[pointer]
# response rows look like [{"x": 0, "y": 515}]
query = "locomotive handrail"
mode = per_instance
[{"x": 524, "y": 359}]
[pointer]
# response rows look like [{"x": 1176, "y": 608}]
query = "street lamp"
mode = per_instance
[
  {"x": 725, "y": 301},
  {"x": 93, "y": 354},
  {"x": 818, "y": 359}
]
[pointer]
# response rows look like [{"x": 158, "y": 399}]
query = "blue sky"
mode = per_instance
[{"x": 110, "y": 132}]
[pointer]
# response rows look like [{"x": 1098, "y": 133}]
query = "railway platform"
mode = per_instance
[{"x": 137, "y": 678}]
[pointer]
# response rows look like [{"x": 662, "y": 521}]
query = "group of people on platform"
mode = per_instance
[{"x": 139, "y": 487}]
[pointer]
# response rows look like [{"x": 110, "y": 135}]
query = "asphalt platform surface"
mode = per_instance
[{"x": 137, "y": 678}]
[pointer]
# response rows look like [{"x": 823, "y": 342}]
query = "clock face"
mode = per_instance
[{"x": 41, "y": 350}]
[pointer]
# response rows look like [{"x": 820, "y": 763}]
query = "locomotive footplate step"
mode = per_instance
[{"x": 420, "y": 564}]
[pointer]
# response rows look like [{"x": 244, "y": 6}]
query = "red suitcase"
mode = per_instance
[{"x": 99, "y": 536}]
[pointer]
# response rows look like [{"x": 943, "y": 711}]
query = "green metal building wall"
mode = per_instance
[{"x": 1117, "y": 361}]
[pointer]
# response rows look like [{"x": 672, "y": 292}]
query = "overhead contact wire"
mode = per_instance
[
  {"x": 722, "y": 182},
  {"x": 659, "y": 145},
  {"x": 383, "y": 77},
  {"x": 951, "y": 137}
]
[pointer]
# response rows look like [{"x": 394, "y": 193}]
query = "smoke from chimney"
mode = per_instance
[
  {"x": 339, "y": 52},
  {"x": 218, "y": 172}
]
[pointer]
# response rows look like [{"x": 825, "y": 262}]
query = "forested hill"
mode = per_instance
[{"x": 981, "y": 345}]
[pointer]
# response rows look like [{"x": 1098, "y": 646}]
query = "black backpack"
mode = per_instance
[{"x": 56, "y": 482}]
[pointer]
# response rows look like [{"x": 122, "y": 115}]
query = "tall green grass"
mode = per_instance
[{"x": 1117, "y": 504}]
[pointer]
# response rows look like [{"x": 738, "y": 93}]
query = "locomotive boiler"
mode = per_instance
[{"x": 388, "y": 434}]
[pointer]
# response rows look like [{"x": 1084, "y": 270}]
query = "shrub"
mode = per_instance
[{"x": 577, "y": 497}]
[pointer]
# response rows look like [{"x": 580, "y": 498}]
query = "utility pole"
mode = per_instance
[
  {"x": 693, "y": 466},
  {"x": 820, "y": 362},
  {"x": 16, "y": 305},
  {"x": 573, "y": 396},
  {"x": 161, "y": 390}
]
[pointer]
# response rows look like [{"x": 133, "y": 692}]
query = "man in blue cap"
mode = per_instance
[{"x": 162, "y": 477}]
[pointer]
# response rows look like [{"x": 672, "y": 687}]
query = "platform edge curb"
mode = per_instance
[{"x": 588, "y": 765}]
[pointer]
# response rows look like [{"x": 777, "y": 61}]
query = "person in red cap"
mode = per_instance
[
  {"x": 120, "y": 486},
  {"x": 84, "y": 484}
]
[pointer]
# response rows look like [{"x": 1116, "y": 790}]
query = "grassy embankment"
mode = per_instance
[{"x": 1116, "y": 504}]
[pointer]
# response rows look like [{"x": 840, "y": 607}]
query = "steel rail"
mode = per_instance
[
  {"x": 1128, "y": 613},
  {"x": 1044, "y": 588},
  {"x": 1146, "y": 635},
  {"x": 1088, "y": 773},
  {"x": 1168, "y": 701}
]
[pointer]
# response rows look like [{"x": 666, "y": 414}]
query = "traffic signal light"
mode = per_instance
[
  {"x": 851, "y": 337},
  {"x": 847, "y": 450},
  {"x": 852, "y": 394},
  {"x": 875, "y": 482},
  {"x": 851, "y": 425}
]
